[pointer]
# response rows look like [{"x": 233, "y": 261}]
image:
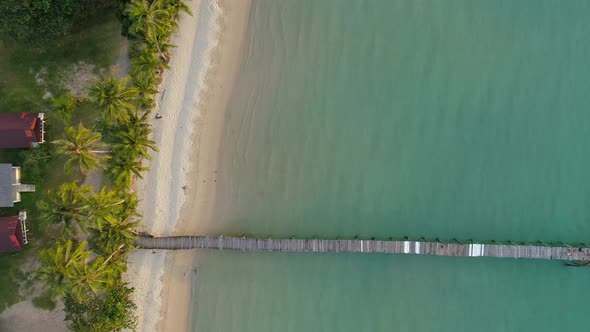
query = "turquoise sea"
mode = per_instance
[{"x": 450, "y": 119}]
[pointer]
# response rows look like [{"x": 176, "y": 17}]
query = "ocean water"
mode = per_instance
[{"x": 450, "y": 119}]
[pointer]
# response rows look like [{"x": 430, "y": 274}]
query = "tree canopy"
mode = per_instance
[{"x": 36, "y": 21}]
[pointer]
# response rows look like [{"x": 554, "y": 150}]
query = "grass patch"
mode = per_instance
[
  {"x": 96, "y": 41},
  {"x": 10, "y": 275},
  {"x": 45, "y": 302}
]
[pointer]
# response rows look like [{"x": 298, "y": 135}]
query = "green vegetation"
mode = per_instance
[
  {"x": 45, "y": 301},
  {"x": 66, "y": 207},
  {"x": 36, "y": 21},
  {"x": 64, "y": 105},
  {"x": 42, "y": 23},
  {"x": 80, "y": 147},
  {"x": 25, "y": 75},
  {"x": 112, "y": 131},
  {"x": 114, "y": 97},
  {"x": 113, "y": 312}
]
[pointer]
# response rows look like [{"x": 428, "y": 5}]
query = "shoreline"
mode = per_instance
[{"x": 178, "y": 191}]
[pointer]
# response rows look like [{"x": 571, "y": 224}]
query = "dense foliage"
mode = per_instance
[
  {"x": 88, "y": 275},
  {"x": 35, "y": 21},
  {"x": 112, "y": 311},
  {"x": 39, "y": 23}
]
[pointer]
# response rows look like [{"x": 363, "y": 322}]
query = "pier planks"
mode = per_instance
[{"x": 363, "y": 246}]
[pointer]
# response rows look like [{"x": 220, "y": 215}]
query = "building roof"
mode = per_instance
[
  {"x": 11, "y": 235},
  {"x": 20, "y": 130},
  {"x": 6, "y": 186},
  {"x": 10, "y": 186}
]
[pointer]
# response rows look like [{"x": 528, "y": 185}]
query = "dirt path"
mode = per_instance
[{"x": 24, "y": 316}]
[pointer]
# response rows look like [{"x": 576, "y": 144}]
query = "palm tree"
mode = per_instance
[
  {"x": 151, "y": 21},
  {"x": 122, "y": 168},
  {"x": 176, "y": 6},
  {"x": 146, "y": 88},
  {"x": 58, "y": 263},
  {"x": 104, "y": 203},
  {"x": 114, "y": 98},
  {"x": 94, "y": 276},
  {"x": 129, "y": 207},
  {"x": 140, "y": 122},
  {"x": 80, "y": 146},
  {"x": 110, "y": 232},
  {"x": 161, "y": 44},
  {"x": 66, "y": 207},
  {"x": 134, "y": 141},
  {"x": 64, "y": 105},
  {"x": 146, "y": 61}
]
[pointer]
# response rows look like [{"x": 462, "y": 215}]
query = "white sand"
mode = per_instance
[
  {"x": 180, "y": 91},
  {"x": 192, "y": 98}
]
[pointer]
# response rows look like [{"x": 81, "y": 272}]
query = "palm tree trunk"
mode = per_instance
[
  {"x": 113, "y": 254},
  {"x": 159, "y": 50}
]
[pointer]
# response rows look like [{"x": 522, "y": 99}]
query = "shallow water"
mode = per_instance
[
  {"x": 454, "y": 119},
  {"x": 294, "y": 292}
]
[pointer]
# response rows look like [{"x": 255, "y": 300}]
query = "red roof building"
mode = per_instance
[
  {"x": 13, "y": 233},
  {"x": 21, "y": 130}
]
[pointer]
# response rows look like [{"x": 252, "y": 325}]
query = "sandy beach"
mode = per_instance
[{"x": 177, "y": 192}]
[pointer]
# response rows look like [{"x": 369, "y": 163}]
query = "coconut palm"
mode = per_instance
[
  {"x": 129, "y": 207},
  {"x": 114, "y": 97},
  {"x": 161, "y": 44},
  {"x": 135, "y": 142},
  {"x": 64, "y": 105},
  {"x": 146, "y": 88},
  {"x": 95, "y": 276},
  {"x": 140, "y": 122},
  {"x": 150, "y": 21},
  {"x": 59, "y": 263},
  {"x": 110, "y": 232},
  {"x": 146, "y": 61},
  {"x": 67, "y": 207},
  {"x": 82, "y": 147},
  {"x": 121, "y": 169},
  {"x": 176, "y": 6},
  {"x": 104, "y": 203}
]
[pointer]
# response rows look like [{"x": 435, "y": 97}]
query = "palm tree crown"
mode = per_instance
[
  {"x": 59, "y": 263},
  {"x": 134, "y": 142},
  {"x": 150, "y": 20},
  {"x": 64, "y": 105},
  {"x": 104, "y": 202},
  {"x": 66, "y": 207},
  {"x": 114, "y": 97},
  {"x": 80, "y": 146},
  {"x": 122, "y": 168},
  {"x": 110, "y": 232}
]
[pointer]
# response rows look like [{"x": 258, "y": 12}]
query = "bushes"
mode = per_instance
[
  {"x": 112, "y": 311},
  {"x": 89, "y": 275},
  {"x": 36, "y": 22},
  {"x": 39, "y": 23}
]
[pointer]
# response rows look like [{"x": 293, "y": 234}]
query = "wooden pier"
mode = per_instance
[{"x": 365, "y": 246}]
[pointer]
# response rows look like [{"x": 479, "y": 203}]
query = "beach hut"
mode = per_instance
[
  {"x": 21, "y": 130},
  {"x": 13, "y": 232},
  {"x": 10, "y": 186}
]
